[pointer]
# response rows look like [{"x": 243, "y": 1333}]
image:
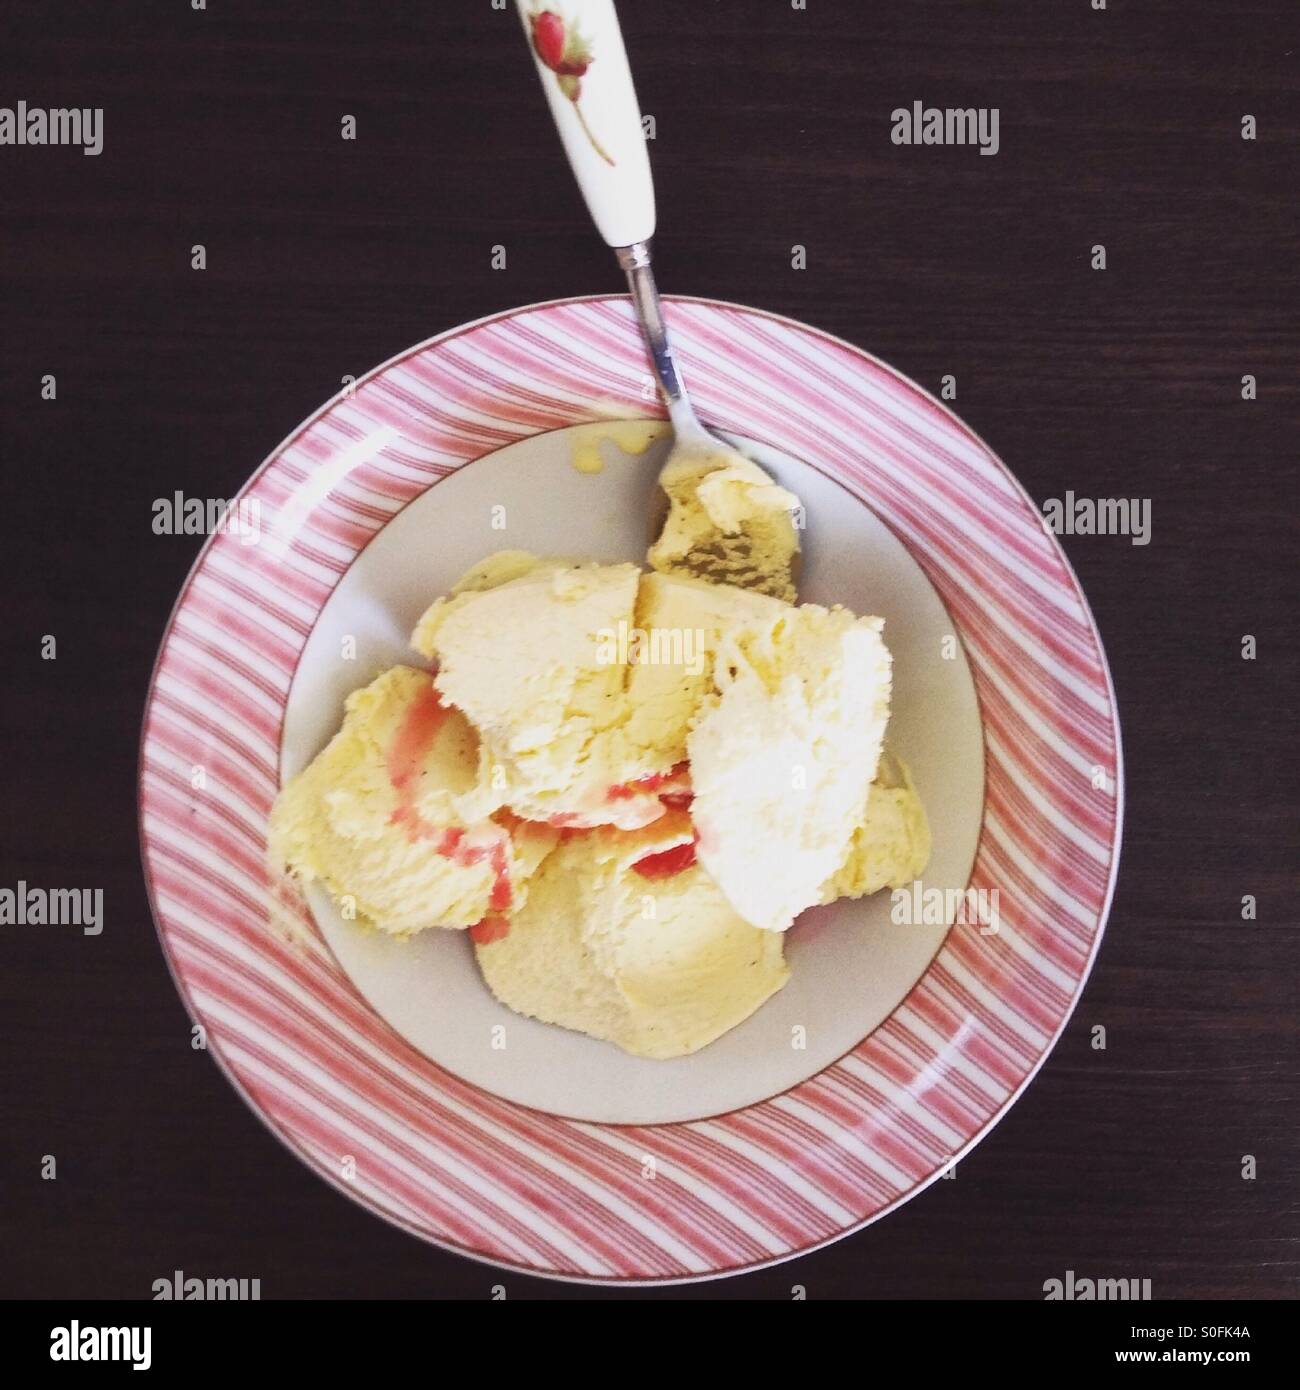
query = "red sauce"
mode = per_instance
[
  {"x": 677, "y": 801},
  {"x": 449, "y": 841},
  {"x": 411, "y": 821},
  {"x": 490, "y": 929},
  {"x": 502, "y": 897},
  {"x": 667, "y": 862},
  {"x": 415, "y": 736},
  {"x": 651, "y": 782},
  {"x": 452, "y": 844},
  {"x": 405, "y": 761}
]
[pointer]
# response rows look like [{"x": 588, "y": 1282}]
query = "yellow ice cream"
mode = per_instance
[
  {"x": 782, "y": 756},
  {"x": 680, "y": 624},
  {"x": 659, "y": 966},
  {"x": 628, "y": 436},
  {"x": 374, "y": 817},
  {"x": 499, "y": 568},
  {"x": 533, "y": 663},
  {"x": 727, "y": 522},
  {"x": 581, "y": 679},
  {"x": 536, "y": 784},
  {"x": 891, "y": 843}
]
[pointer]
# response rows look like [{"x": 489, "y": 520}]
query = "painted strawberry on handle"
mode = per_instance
[
  {"x": 561, "y": 48},
  {"x": 548, "y": 38}
]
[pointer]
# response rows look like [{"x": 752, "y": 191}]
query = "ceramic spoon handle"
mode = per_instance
[{"x": 578, "y": 49}]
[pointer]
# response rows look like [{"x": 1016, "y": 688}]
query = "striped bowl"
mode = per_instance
[{"x": 517, "y": 1187}]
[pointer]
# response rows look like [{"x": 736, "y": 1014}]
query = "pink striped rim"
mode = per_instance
[{"x": 494, "y": 1180}]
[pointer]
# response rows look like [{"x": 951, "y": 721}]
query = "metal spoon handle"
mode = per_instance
[{"x": 635, "y": 260}]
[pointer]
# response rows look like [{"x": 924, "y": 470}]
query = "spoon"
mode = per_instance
[{"x": 727, "y": 520}]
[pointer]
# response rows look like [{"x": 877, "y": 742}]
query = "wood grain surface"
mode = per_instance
[{"x": 1120, "y": 128}]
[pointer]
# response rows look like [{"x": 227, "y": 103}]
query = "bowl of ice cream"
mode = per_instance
[
  {"x": 636, "y": 790},
  {"x": 528, "y": 849}
]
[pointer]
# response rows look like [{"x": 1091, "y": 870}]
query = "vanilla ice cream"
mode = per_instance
[
  {"x": 891, "y": 842},
  {"x": 618, "y": 941},
  {"x": 783, "y": 754},
  {"x": 582, "y": 680},
  {"x": 680, "y": 623},
  {"x": 727, "y": 522},
  {"x": 374, "y": 817},
  {"x": 533, "y": 663},
  {"x": 499, "y": 568},
  {"x": 627, "y": 785}
]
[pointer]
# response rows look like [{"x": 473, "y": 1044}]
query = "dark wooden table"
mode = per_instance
[{"x": 1120, "y": 128}]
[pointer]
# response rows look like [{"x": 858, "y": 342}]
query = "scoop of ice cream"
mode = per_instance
[
  {"x": 782, "y": 756},
  {"x": 680, "y": 623},
  {"x": 891, "y": 843},
  {"x": 374, "y": 817},
  {"x": 534, "y": 663},
  {"x": 578, "y": 731},
  {"x": 620, "y": 941},
  {"x": 499, "y": 568},
  {"x": 534, "y": 787},
  {"x": 727, "y": 522}
]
